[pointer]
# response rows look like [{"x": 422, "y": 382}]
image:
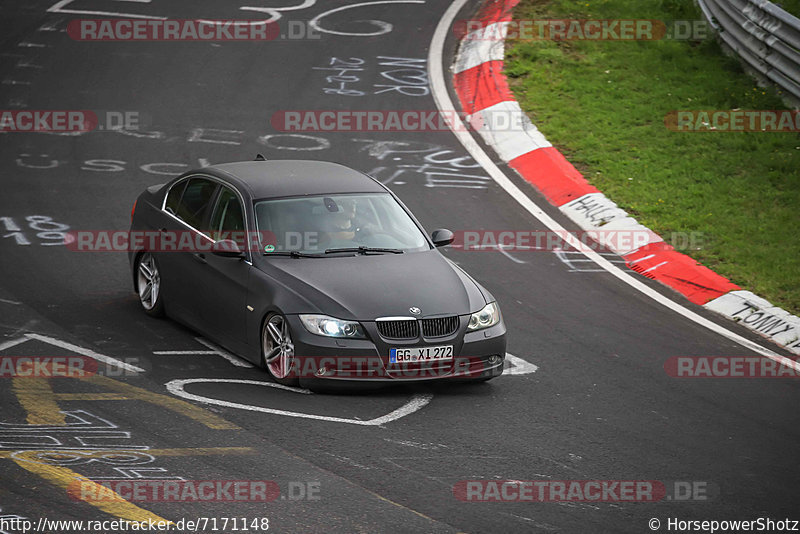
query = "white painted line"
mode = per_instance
[
  {"x": 275, "y": 385},
  {"x": 235, "y": 360},
  {"x": 25, "y": 64},
  {"x": 385, "y": 27},
  {"x": 12, "y": 343},
  {"x": 509, "y": 256},
  {"x": 183, "y": 352},
  {"x": 642, "y": 259},
  {"x": 443, "y": 102},
  {"x": 500, "y": 249},
  {"x": 417, "y": 444},
  {"x": 215, "y": 351},
  {"x": 562, "y": 255},
  {"x": 416, "y": 403},
  {"x": 86, "y": 352},
  {"x": 59, "y": 7},
  {"x": 176, "y": 387},
  {"x": 584, "y": 260},
  {"x": 654, "y": 267},
  {"x": 518, "y": 366},
  {"x": 13, "y": 302},
  {"x": 276, "y": 12}
]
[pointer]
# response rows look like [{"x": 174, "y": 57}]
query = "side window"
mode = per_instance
[
  {"x": 195, "y": 201},
  {"x": 228, "y": 219},
  {"x": 174, "y": 197}
]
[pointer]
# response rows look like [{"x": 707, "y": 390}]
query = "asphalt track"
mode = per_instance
[{"x": 599, "y": 405}]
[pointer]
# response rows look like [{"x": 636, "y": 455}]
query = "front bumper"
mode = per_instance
[{"x": 477, "y": 356}]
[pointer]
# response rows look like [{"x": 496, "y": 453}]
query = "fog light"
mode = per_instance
[
  {"x": 494, "y": 359},
  {"x": 324, "y": 371}
]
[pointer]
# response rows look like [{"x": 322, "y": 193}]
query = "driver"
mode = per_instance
[{"x": 343, "y": 225}]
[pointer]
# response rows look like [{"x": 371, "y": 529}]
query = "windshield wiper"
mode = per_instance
[
  {"x": 365, "y": 250},
  {"x": 293, "y": 254}
]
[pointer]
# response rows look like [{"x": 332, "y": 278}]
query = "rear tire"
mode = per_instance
[
  {"x": 148, "y": 285},
  {"x": 277, "y": 350}
]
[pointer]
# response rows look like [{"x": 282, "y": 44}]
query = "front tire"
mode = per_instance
[
  {"x": 148, "y": 285},
  {"x": 277, "y": 350}
]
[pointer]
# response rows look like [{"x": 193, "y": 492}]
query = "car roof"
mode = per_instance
[{"x": 286, "y": 178}]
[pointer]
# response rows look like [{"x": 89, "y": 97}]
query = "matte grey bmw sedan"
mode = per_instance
[{"x": 313, "y": 270}]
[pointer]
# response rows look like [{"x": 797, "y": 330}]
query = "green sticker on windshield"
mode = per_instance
[{"x": 269, "y": 248}]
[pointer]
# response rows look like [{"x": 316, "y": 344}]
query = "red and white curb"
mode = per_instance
[{"x": 484, "y": 94}]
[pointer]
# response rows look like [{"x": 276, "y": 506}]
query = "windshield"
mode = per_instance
[{"x": 316, "y": 224}]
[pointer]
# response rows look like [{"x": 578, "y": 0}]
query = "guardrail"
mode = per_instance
[{"x": 765, "y": 36}]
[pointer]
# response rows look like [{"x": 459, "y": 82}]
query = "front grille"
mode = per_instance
[
  {"x": 440, "y": 326},
  {"x": 399, "y": 329}
]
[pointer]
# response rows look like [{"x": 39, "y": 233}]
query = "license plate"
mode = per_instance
[{"x": 421, "y": 354}]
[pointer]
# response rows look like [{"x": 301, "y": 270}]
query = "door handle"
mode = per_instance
[{"x": 199, "y": 257}]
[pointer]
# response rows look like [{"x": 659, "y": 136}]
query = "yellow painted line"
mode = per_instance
[
  {"x": 36, "y": 396},
  {"x": 90, "y": 396},
  {"x": 199, "y": 451},
  {"x": 40, "y": 403},
  {"x": 191, "y": 411},
  {"x": 397, "y": 504},
  {"x": 63, "y": 477}
]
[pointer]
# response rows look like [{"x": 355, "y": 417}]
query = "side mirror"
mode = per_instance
[
  {"x": 442, "y": 237},
  {"x": 227, "y": 248}
]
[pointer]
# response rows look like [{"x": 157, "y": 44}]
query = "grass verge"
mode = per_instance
[{"x": 603, "y": 103}]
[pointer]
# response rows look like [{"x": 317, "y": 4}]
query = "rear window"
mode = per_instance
[
  {"x": 195, "y": 201},
  {"x": 174, "y": 197}
]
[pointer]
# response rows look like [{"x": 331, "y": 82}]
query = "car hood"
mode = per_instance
[{"x": 365, "y": 287}]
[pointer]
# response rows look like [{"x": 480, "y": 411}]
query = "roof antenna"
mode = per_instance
[{"x": 260, "y": 157}]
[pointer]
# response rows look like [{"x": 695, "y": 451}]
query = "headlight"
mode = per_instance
[
  {"x": 322, "y": 325},
  {"x": 488, "y": 316}
]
